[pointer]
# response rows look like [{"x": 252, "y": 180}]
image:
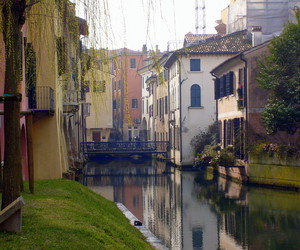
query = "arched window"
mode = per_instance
[{"x": 195, "y": 96}]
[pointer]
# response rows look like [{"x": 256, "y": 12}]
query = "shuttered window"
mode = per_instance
[{"x": 224, "y": 85}]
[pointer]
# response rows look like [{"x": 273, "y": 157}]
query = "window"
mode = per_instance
[
  {"x": 147, "y": 107},
  {"x": 166, "y": 104},
  {"x": 224, "y": 85},
  {"x": 132, "y": 63},
  {"x": 195, "y": 96},
  {"x": 98, "y": 86},
  {"x": 229, "y": 83},
  {"x": 61, "y": 55},
  {"x": 197, "y": 238},
  {"x": 96, "y": 136},
  {"x": 195, "y": 64},
  {"x": 114, "y": 104},
  {"x": 134, "y": 104}
]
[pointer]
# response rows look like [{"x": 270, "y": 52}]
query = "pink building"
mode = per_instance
[
  {"x": 127, "y": 93},
  {"x": 23, "y": 107}
]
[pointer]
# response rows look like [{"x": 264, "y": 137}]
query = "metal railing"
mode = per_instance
[
  {"x": 124, "y": 147},
  {"x": 42, "y": 99}
]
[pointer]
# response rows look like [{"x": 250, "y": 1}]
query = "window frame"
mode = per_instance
[
  {"x": 195, "y": 67},
  {"x": 134, "y": 103},
  {"x": 133, "y": 63},
  {"x": 195, "y": 96}
]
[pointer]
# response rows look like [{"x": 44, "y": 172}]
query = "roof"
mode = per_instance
[
  {"x": 239, "y": 55},
  {"x": 190, "y": 38},
  {"x": 233, "y": 43}
]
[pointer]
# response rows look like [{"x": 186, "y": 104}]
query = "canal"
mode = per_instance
[{"x": 195, "y": 210}]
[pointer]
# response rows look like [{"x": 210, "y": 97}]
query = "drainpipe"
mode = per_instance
[
  {"x": 168, "y": 105},
  {"x": 217, "y": 111},
  {"x": 242, "y": 57},
  {"x": 180, "y": 110}
]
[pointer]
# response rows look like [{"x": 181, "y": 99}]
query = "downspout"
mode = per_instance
[
  {"x": 180, "y": 110},
  {"x": 168, "y": 111},
  {"x": 246, "y": 105},
  {"x": 217, "y": 111}
]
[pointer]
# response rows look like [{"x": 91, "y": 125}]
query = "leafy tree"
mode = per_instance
[
  {"x": 12, "y": 22},
  {"x": 280, "y": 73}
]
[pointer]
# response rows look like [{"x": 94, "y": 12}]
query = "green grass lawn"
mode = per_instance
[{"x": 64, "y": 214}]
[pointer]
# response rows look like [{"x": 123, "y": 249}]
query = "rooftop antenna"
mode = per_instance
[{"x": 200, "y": 17}]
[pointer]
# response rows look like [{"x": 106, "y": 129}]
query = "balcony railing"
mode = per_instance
[
  {"x": 41, "y": 98},
  {"x": 124, "y": 147},
  {"x": 70, "y": 101}
]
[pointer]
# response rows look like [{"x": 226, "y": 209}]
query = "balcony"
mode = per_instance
[
  {"x": 70, "y": 101},
  {"x": 41, "y": 99},
  {"x": 86, "y": 109}
]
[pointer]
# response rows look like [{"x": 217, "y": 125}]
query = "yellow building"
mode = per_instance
[
  {"x": 98, "y": 91},
  {"x": 53, "y": 40}
]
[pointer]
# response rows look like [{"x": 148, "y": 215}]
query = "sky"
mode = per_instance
[{"x": 132, "y": 23}]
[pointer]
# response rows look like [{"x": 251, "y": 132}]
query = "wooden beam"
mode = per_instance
[
  {"x": 11, "y": 216},
  {"x": 30, "y": 152},
  {"x": 4, "y": 98},
  {"x": 26, "y": 112}
]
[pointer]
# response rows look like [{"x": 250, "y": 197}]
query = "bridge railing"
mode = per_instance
[{"x": 124, "y": 147}]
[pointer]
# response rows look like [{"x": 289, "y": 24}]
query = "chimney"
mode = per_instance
[
  {"x": 156, "y": 49},
  {"x": 256, "y": 35},
  {"x": 220, "y": 28},
  {"x": 144, "y": 48}
]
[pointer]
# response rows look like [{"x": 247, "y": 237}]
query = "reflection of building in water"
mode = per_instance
[
  {"x": 173, "y": 213},
  {"x": 162, "y": 209},
  {"x": 200, "y": 226},
  {"x": 120, "y": 181},
  {"x": 250, "y": 218},
  {"x": 131, "y": 196},
  {"x": 233, "y": 216}
]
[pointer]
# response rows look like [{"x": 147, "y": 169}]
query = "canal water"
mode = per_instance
[{"x": 195, "y": 210}]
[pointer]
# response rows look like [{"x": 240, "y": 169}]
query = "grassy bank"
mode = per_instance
[{"x": 64, "y": 214}]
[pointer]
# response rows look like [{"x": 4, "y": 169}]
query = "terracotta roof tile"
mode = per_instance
[
  {"x": 191, "y": 38},
  {"x": 229, "y": 44}
]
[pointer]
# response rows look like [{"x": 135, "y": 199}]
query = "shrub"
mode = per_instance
[{"x": 204, "y": 138}]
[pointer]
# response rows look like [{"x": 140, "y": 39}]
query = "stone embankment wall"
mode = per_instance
[
  {"x": 266, "y": 170},
  {"x": 274, "y": 170}
]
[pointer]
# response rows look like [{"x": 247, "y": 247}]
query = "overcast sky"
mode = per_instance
[{"x": 132, "y": 23}]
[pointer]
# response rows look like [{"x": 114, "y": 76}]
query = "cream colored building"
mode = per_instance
[
  {"x": 191, "y": 90},
  {"x": 98, "y": 85},
  {"x": 147, "y": 122}
]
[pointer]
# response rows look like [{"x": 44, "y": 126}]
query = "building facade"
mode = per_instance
[
  {"x": 192, "y": 106},
  {"x": 98, "y": 95},
  {"x": 241, "y": 14},
  {"x": 127, "y": 92}
]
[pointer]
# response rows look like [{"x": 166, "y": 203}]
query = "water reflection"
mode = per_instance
[{"x": 195, "y": 210}]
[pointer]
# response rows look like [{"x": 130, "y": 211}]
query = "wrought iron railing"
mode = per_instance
[
  {"x": 41, "y": 98},
  {"x": 125, "y": 147}
]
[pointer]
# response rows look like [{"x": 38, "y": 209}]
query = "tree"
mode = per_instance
[
  {"x": 12, "y": 20},
  {"x": 280, "y": 74}
]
